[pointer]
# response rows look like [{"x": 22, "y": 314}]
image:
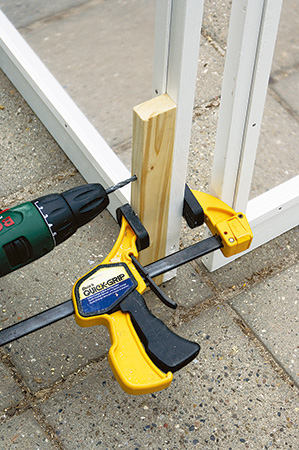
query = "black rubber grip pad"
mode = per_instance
[
  {"x": 167, "y": 350},
  {"x": 192, "y": 211},
  {"x": 18, "y": 251},
  {"x": 133, "y": 220}
]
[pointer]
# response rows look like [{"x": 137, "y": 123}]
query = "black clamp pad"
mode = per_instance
[
  {"x": 192, "y": 211},
  {"x": 133, "y": 220}
]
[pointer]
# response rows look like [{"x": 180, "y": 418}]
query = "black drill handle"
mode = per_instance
[{"x": 166, "y": 349}]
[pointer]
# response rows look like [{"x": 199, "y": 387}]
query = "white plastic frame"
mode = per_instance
[
  {"x": 251, "y": 41},
  {"x": 252, "y": 37}
]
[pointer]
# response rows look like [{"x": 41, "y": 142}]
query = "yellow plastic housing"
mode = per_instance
[
  {"x": 132, "y": 367},
  {"x": 221, "y": 219}
]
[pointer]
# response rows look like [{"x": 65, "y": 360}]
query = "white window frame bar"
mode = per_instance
[
  {"x": 177, "y": 41},
  {"x": 81, "y": 142},
  {"x": 251, "y": 41}
]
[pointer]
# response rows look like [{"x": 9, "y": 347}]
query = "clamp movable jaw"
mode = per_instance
[
  {"x": 144, "y": 353},
  {"x": 131, "y": 365}
]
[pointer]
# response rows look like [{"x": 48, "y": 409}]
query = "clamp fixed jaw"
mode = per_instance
[{"x": 231, "y": 226}]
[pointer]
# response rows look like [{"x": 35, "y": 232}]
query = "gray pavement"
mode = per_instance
[{"x": 57, "y": 389}]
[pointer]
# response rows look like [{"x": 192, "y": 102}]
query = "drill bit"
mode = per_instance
[{"x": 120, "y": 184}]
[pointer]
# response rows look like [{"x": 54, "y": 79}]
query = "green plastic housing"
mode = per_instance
[{"x": 24, "y": 237}]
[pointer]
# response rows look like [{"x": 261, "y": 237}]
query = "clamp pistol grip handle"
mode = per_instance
[{"x": 131, "y": 365}]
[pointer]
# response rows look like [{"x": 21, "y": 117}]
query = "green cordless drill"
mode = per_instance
[{"x": 32, "y": 229}]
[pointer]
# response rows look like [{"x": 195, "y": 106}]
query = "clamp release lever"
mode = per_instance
[{"x": 154, "y": 287}]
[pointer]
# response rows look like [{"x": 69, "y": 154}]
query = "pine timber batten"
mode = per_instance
[{"x": 153, "y": 141}]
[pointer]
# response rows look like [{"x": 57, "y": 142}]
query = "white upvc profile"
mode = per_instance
[{"x": 251, "y": 41}]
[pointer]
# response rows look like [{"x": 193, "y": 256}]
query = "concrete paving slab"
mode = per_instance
[
  {"x": 277, "y": 154},
  {"x": 271, "y": 311},
  {"x": 10, "y": 393},
  {"x": 216, "y": 20},
  {"x": 24, "y": 13},
  {"x": 204, "y": 120},
  {"x": 209, "y": 76},
  {"x": 267, "y": 260},
  {"x": 287, "y": 89},
  {"x": 229, "y": 398},
  {"x": 24, "y": 432},
  {"x": 103, "y": 58},
  {"x": 28, "y": 152},
  {"x": 201, "y": 153},
  {"x": 49, "y": 355},
  {"x": 287, "y": 44}
]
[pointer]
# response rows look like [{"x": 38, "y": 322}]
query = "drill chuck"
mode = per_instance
[{"x": 65, "y": 213}]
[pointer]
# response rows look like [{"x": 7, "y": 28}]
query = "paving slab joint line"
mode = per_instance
[
  {"x": 282, "y": 102},
  {"x": 210, "y": 40},
  {"x": 264, "y": 351},
  {"x": 282, "y": 73},
  {"x": 254, "y": 279},
  {"x": 23, "y": 404},
  {"x": 60, "y": 15},
  {"x": 47, "y": 428},
  {"x": 32, "y": 400}
]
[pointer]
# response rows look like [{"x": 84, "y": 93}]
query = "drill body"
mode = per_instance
[
  {"x": 32, "y": 229},
  {"x": 24, "y": 237}
]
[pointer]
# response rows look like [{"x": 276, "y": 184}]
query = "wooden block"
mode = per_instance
[{"x": 153, "y": 140}]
